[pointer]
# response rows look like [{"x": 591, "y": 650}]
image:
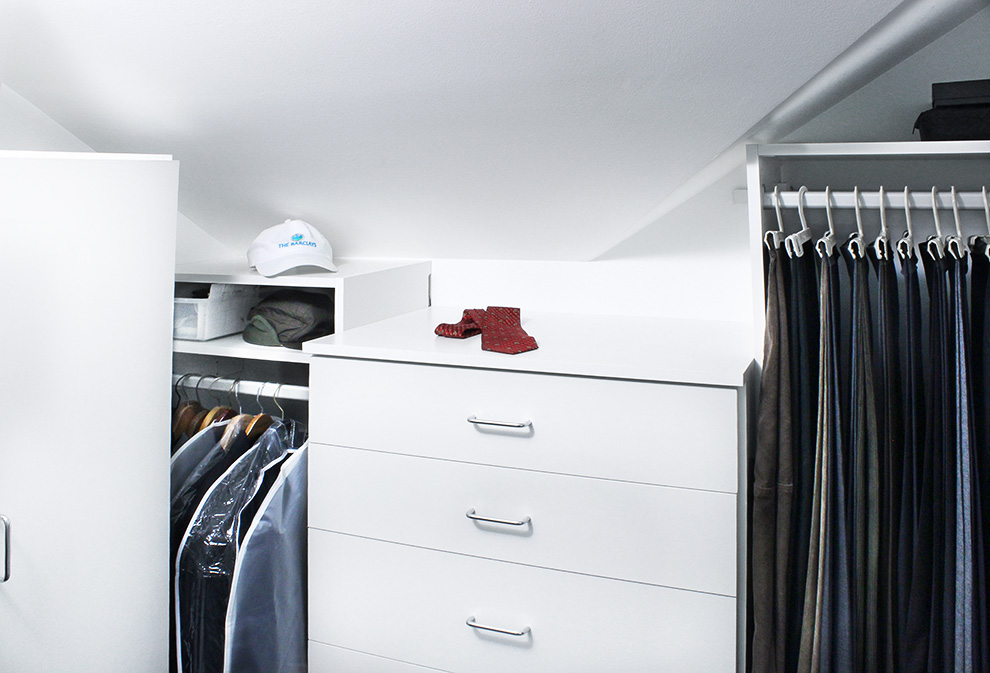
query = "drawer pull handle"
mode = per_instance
[
  {"x": 6, "y": 548},
  {"x": 500, "y": 424},
  {"x": 475, "y": 625},
  {"x": 475, "y": 517}
]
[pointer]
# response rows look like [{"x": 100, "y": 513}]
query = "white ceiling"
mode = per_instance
[{"x": 518, "y": 129}]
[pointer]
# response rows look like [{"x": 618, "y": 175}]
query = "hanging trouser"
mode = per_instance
[
  {"x": 810, "y": 652},
  {"x": 914, "y": 560},
  {"x": 980, "y": 376},
  {"x": 837, "y": 626},
  {"x": 890, "y": 445},
  {"x": 803, "y": 317},
  {"x": 863, "y": 456},
  {"x": 965, "y": 599},
  {"x": 936, "y": 530},
  {"x": 827, "y": 636},
  {"x": 771, "y": 482}
]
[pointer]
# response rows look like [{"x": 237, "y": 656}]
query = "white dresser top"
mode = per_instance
[{"x": 646, "y": 349}]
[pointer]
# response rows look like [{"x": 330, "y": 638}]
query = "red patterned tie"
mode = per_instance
[
  {"x": 461, "y": 330},
  {"x": 500, "y": 327}
]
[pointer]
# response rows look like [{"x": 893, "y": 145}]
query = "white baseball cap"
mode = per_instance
[{"x": 289, "y": 245}]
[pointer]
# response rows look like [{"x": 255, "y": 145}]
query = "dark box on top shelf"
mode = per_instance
[{"x": 960, "y": 111}]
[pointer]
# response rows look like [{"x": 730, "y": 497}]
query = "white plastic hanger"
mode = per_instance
[
  {"x": 986, "y": 210},
  {"x": 936, "y": 245},
  {"x": 794, "y": 244},
  {"x": 882, "y": 244},
  {"x": 856, "y": 246},
  {"x": 905, "y": 246},
  {"x": 957, "y": 244},
  {"x": 774, "y": 238},
  {"x": 826, "y": 244}
]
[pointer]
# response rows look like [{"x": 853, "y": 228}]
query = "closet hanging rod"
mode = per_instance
[
  {"x": 919, "y": 200},
  {"x": 218, "y": 388}
]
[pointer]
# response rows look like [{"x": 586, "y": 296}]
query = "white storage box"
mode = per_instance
[{"x": 223, "y": 311}]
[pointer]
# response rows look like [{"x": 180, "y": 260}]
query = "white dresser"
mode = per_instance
[{"x": 575, "y": 508}]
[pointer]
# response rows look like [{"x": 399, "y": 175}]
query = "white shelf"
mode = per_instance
[
  {"x": 364, "y": 292},
  {"x": 234, "y": 346},
  {"x": 644, "y": 349},
  {"x": 867, "y": 150},
  {"x": 236, "y": 271}
]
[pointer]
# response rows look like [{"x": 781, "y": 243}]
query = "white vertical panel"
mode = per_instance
[{"x": 86, "y": 268}]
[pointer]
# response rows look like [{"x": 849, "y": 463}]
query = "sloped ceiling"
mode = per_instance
[{"x": 518, "y": 129}]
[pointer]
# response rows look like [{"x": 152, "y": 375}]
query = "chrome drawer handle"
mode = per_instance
[
  {"x": 471, "y": 515},
  {"x": 475, "y": 625},
  {"x": 500, "y": 424},
  {"x": 6, "y": 548}
]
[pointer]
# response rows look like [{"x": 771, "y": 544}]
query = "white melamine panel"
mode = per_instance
[
  {"x": 412, "y": 604},
  {"x": 668, "y": 536},
  {"x": 86, "y": 275},
  {"x": 674, "y": 435},
  {"x": 329, "y": 659},
  {"x": 639, "y": 348}
]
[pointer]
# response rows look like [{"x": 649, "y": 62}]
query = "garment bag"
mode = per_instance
[
  {"x": 265, "y": 629},
  {"x": 188, "y": 457},
  {"x": 205, "y": 559}
]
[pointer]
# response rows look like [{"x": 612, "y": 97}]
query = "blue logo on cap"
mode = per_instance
[{"x": 297, "y": 237}]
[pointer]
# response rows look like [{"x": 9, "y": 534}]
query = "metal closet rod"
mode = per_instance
[
  {"x": 217, "y": 387},
  {"x": 893, "y": 198}
]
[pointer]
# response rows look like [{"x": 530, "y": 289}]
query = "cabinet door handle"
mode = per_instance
[
  {"x": 500, "y": 424},
  {"x": 475, "y": 625},
  {"x": 6, "y": 548},
  {"x": 507, "y": 522}
]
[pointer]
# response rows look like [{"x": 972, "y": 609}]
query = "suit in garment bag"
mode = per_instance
[
  {"x": 189, "y": 456},
  {"x": 266, "y": 616},
  {"x": 206, "y": 555},
  {"x": 194, "y": 468}
]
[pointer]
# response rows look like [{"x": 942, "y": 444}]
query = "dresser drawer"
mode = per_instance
[
  {"x": 413, "y": 604},
  {"x": 329, "y": 659},
  {"x": 669, "y": 536},
  {"x": 666, "y": 434}
]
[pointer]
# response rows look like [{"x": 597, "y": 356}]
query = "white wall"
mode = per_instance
[
  {"x": 25, "y": 127},
  {"x": 692, "y": 260},
  {"x": 693, "y": 263}
]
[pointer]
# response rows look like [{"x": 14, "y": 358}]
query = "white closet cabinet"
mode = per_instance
[
  {"x": 576, "y": 508},
  {"x": 86, "y": 270}
]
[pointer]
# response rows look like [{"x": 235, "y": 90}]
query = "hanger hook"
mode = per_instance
[
  {"x": 210, "y": 390},
  {"x": 177, "y": 387},
  {"x": 986, "y": 211},
  {"x": 275, "y": 397},
  {"x": 936, "y": 245},
  {"x": 856, "y": 246},
  {"x": 773, "y": 238},
  {"x": 826, "y": 244},
  {"x": 938, "y": 220},
  {"x": 234, "y": 388},
  {"x": 957, "y": 244},
  {"x": 882, "y": 244},
  {"x": 257, "y": 396},
  {"x": 199, "y": 382},
  {"x": 905, "y": 246},
  {"x": 794, "y": 244},
  {"x": 230, "y": 391}
]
